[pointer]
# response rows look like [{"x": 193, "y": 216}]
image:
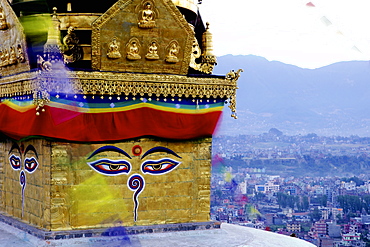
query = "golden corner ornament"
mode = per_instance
[{"x": 110, "y": 111}]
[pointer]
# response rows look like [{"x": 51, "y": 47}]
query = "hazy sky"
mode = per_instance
[{"x": 305, "y": 33}]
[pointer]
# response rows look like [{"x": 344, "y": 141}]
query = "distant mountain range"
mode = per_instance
[{"x": 332, "y": 100}]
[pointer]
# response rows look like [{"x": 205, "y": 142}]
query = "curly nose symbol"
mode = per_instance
[
  {"x": 136, "y": 183},
  {"x": 22, "y": 181}
]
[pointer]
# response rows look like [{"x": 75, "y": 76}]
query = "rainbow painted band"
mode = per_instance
[{"x": 97, "y": 122}]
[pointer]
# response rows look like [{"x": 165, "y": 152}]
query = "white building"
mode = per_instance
[
  {"x": 270, "y": 186},
  {"x": 348, "y": 185}
]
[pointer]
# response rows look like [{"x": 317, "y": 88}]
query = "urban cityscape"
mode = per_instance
[{"x": 309, "y": 187}]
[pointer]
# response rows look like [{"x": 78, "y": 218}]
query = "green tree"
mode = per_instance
[
  {"x": 259, "y": 196},
  {"x": 324, "y": 200},
  {"x": 339, "y": 219},
  {"x": 305, "y": 203},
  {"x": 315, "y": 214},
  {"x": 351, "y": 204}
]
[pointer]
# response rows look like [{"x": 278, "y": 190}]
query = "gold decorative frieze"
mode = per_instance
[
  {"x": 17, "y": 85},
  {"x": 114, "y": 83},
  {"x": 157, "y": 78},
  {"x": 109, "y": 83},
  {"x": 157, "y": 89}
]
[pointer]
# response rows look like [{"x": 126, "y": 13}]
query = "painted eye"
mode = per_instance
[
  {"x": 159, "y": 167},
  {"x": 110, "y": 167},
  {"x": 15, "y": 162},
  {"x": 30, "y": 164}
]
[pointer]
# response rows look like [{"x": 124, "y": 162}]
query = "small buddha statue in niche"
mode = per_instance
[
  {"x": 21, "y": 57},
  {"x": 5, "y": 57},
  {"x": 3, "y": 23},
  {"x": 172, "y": 53},
  {"x": 133, "y": 51},
  {"x": 147, "y": 17},
  {"x": 153, "y": 52},
  {"x": 1, "y": 58},
  {"x": 12, "y": 56},
  {"x": 113, "y": 49}
]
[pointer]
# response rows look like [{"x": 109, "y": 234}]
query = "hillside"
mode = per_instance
[{"x": 332, "y": 100}]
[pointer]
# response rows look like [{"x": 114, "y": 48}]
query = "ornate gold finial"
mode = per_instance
[
  {"x": 52, "y": 55},
  {"x": 208, "y": 60},
  {"x": 207, "y": 56},
  {"x": 52, "y": 47},
  {"x": 207, "y": 42},
  {"x": 40, "y": 97},
  {"x": 234, "y": 76},
  {"x": 232, "y": 106}
]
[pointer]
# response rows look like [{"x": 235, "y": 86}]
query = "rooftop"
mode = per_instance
[{"x": 228, "y": 235}]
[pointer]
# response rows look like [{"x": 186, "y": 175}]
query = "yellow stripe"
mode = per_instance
[
  {"x": 17, "y": 107},
  {"x": 68, "y": 107},
  {"x": 133, "y": 107}
]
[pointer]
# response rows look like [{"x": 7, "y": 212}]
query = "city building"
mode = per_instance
[
  {"x": 320, "y": 228},
  {"x": 270, "y": 186},
  {"x": 351, "y": 239},
  {"x": 334, "y": 230},
  {"x": 293, "y": 227}
]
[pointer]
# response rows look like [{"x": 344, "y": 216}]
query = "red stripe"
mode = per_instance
[{"x": 93, "y": 127}]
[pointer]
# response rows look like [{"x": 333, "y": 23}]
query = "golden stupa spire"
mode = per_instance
[{"x": 53, "y": 44}]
